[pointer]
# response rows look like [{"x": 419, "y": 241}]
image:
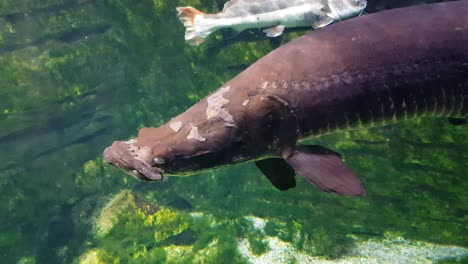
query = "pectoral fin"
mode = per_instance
[
  {"x": 274, "y": 31},
  {"x": 325, "y": 169},
  {"x": 280, "y": 174},
  {"x": 322, "y": 21}
]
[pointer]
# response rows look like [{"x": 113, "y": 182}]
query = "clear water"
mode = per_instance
[{"x": 76, "y": 75}]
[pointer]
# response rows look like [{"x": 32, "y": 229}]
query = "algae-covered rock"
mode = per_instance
[
  {"x": 388, "y": 250},
  {"x": 167, "y": 223},
  {"x": 91, "y": 257},
  {"x": 164, "y": 236},
  {"x": 27, "y": 260},
  {"x": 122, "y": 203},
  {"x": 130, "y": 229}
]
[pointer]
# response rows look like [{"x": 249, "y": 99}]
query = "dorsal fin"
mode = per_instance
[
  {"x": 228, "y": 4},
  {"x": 325, "y": 7}
]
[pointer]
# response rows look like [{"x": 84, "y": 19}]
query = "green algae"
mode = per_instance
[
  {"x": 125, "y": 233},
  {"x": 173, "y": 223},
  {"x": 128, "y": 229},
  {"x": 454, "y": 260},
  {"x": 27, "y": 260}
]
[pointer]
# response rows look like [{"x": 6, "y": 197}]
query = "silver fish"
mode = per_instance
[{"x": 274, "y": 15}]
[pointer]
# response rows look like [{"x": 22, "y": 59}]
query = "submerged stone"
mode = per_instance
[
  {"x": 388, "y": 250},
  {"x": 123, "y": 202}
]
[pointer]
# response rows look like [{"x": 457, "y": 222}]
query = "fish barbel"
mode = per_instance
[{"x": 274, "y": 15}]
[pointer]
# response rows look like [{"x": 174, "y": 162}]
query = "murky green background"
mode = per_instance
[{"x": 77, "y": 74}]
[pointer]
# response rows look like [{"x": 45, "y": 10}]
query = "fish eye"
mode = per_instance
[{"x": 159, "y": 160}]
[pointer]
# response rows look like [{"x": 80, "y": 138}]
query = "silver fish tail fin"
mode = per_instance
[{"x": 198, "y": 25}]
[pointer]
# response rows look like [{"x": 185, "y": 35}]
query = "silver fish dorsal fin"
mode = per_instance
[
  {"x": 325, "y": 7},
  {"x": 227, "y": 5}
]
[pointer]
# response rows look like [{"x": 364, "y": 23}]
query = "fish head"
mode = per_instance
[
  {"x": 344, "y": 9},
  {"x": 130, "y": 158},
  {"x": 181, "y": 151}
]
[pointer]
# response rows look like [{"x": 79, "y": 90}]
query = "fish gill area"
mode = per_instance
[{"x": 77, "y": 74}]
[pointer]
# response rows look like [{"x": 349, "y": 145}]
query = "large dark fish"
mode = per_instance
[{"x": 371, "y": 70}]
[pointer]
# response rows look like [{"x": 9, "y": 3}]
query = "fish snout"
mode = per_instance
[
  {"x": 120, "y": 155},
  {"x": 116, "y": 155}
]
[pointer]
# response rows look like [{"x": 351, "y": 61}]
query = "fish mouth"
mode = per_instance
[{"x": 120, "y": 156}]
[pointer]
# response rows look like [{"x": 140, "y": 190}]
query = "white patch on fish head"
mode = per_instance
[
  {"x": 215, "y": 107},
  {"x": 245, "y": 103},
  {"x": 142, "y": 154},
  {"x": 344, "y": 9},
  {"x": 176, "y": 126},
  {"x": 193, "y": 134}
]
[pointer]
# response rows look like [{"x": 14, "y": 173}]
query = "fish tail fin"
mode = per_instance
[{"x": 197, "y": 25}]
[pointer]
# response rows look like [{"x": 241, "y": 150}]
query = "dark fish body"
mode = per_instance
[{"x": 372, "y": 70}]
